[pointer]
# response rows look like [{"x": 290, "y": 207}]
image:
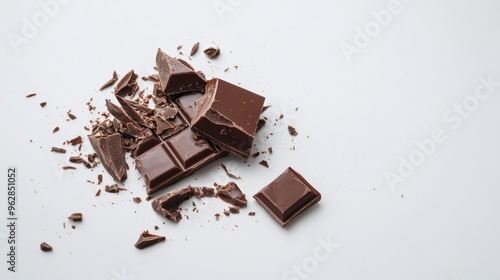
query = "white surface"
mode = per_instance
[{"x": 354, "y": 120}]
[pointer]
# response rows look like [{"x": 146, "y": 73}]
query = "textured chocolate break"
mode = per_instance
[
  {"x": 168, "y": 204},
  {"x": 110, "y": 150}
]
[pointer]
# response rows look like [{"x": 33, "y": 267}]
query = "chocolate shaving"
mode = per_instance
[
  {"x": 195, "y": 48},
  {"x": 99, "y": 179},
  {"x": 45, "y": 247},
  {"x": 113, "y": 188},
  {"x": 111, "y": 82},
  {"x": 66, "y": 167},
  {"x": 70, "y": 115},
  {"x": 58, "y": 150},
  {"x": 264, "y": 108},
  {"x": 231, "y": 193},
  {"x": 264, "y": 163},
  {"x": 212, "y": 52},
  {"x": 98, "y": 193},
  {"x": 75, "y": 141},
  {"x": 127, "y": 86},
  {"x": 147, "y": 239},
  {"x": 76, "y": 217},
  {"x": 30, "y": 95},
  {"x": 56, "y": 129},
  {"x": 292, "y": 130},
  {"x": 137, "y": 199},
  {"x": 251, "y": 213},
  {"x": 77, "y": 159},
  {"x": 43, "y": 104},
  {"x": 229, "y": 174}
]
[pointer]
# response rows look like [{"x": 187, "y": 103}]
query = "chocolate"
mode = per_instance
[
  {"x": 173, "y": 155},
  {"x": 77, "y": 159},
  {"x": 204, "y": 192},
  {"x": 251, "y": 213},
  {"x": 75, "y": 141},
  {"x": 45, "y": 247},
  {"x": 195, "y": 48},
  {"x": 98, "y": 193},
  {"x": 71, "y": 116},
  {"x": 264, "y": 163},
  {"x": 127, "y": 86},
  {"x": 231, "y": 194},
  {"x": 76, "y": 217},
  {"x": 58, "y": 150},
  {"x": 43, "y": 104},
  {"x": 234, "y": 209},
  {"x": 287, "y": 196},
  {"x": 176, "y": 77},
  {"x": 147, "y": 239},
  {"x": 56, "y": 129},
  {"x": 270, "y": 150},
  {"x": 99, "y": 179},
  {"x": 30, "y": 95},
  {"x": 137, "y": 199},
  {"x": 212, "y": 52},
  {"x": 292, "y": 130},
  {"x": 110, "y": 150},
  {"x": 66, "y": 167},
  {"x": 114, "y": 188},
  {"x": 225, "y": 106},
  {"x": 229, "y": 174},
  {"x": 168, "y": 204},
  {"x": 111, "y": 82}
]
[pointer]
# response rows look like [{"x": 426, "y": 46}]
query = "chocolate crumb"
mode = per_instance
[
  {"x": 281, "y": 116},
  {"x": 226, "y": 212},
  {"x": 251, "y": 213},
  {"x": 43, "y": 104},
  {"x": 70, "y": 115},
  {"x": 212, "y": 52},
  {"x": 157, "y": 227},
  {"x": 99, "y": 179},
  {"x": 113, "y": 188},
  {"x": 194, "y": 49},
  {"x": 56, "y": 129},
  {"x": 73, "y": 226},
  {"x": 137, "y": 199},
  {"x": 58, "y": 150},
  {"x": 98, "y": 193},
  {"x": 75, "y": 141},
  {"x": 256, "y": 154},
  {"x": 229, "y": 174},
  {"x": 45, "y": 247},
  {"x": 217, "y": 216},
  {"x": 264, "y": 163},
  {"x": 30, "y": 95},
  {"x": 234, "y": 209},
  {"x": 292, "y": 130},
  {"x": 270, "y": 150},
  {"x": 76, "y": 217},
  {"x": 111, "y": 82},
  {"x": 227, "y": 69},
  {"x": 66, "y": 167},
  {"x": 179, "y": 47}
]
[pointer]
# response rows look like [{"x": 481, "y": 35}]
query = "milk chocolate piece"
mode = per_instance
[
  {"x": 45, "y": 247},
  {"x": 195, "y": 48},
  {"x": 75, "y": 141},
  {"x": 287, "y": 196},
  {"x": 111, "y": 82},
  {"x": 147, "y": 239},
  {"x": 127, "y": 86},
  {"x": 43, "y": 104},
  {"x": 225, "y": 106},
  {"x": 30, "y": 95},
  {"x": 114, "y": 188},
  {"x": 58, "y": 150},
  {"x": 212, "y": 52},
  {"x": 231, "y": 194},
  {"x": 76, "y": 217},
  {"x": 110, "y": 150},
  {"x": 168, "y": 204},
  {"x": 175, "y": 77},
  {"x": 292, "y": 130}
]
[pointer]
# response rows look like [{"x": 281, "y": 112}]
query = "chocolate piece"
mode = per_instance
[
  {"x": 195, "y": 48},
  {"x": 58, "y": 150},
  {"x": 204, "y": 191},
  {"x": 75, "y": 141},
  {"x": 260, "y": 124},
  {"x": 175, "y": 77},
  {"x": 264, "y": 163},
  {"x": 251, "y": 213},
  {"x": 287, "y": 196},
  {"x": 175, "y": 154},
  {"x": 264, "y": 108},
  {"x": 70, "y": 115},
  {"x": 110, "y": 150},
  {"x": 231, "y": 194},
  {"x": 66, "y": 167},
  {"x": 43, "y": 104},
  {"x": 292, "y": 130},
  {"x": 147, "y": 239},
  {"x": 113, "y": 188},
  {"x": 111, "y": 82},
  {"x": 99, "y": 179},
  {"x": 98, "y": 193},
  {"x": 77, "y": 159},
  {"x": 212, "y": 52},
  {"x": 234, "y": 209},
  {"x": 217, "y": 216},
  {"x": 227, "y": 106},
  {"x": 73, "y": 226},
  {"x": 229, "y": 174},
  {"x": 45, "y": 247},
  {"x": 127, "y": 86},
  {"x": 270, "y": 150},
  {"x": 226, "y": 212},
  {"x": 76, "y": 217},
  {"x": 256, "y": 154},
  {"x": 56, "y": 129},
  {"x": 137, "y": 199},
  {"x": 168, "y": 204},
  {"x": 30, "y": 95}
]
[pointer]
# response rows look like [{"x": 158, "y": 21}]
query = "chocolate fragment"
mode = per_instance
[
  {"x": 76, "y": 217},
  {"x": 229, "y": 107},
  {"x": 147, "y": 239},
  {"x": 73, "y": 226},
  {"x": 111, "y": 82},
  {"x": 234, "y": 209},
  {"x": 226, "y": 212},
  {"x": 30, "y": 95},
  {"x": 98, "y": 193},
  {"x": 270, "y": 150},
  {"x": 56, "y": 129},
  {"x": 110, "y": 150},
  {"x": 66, "y": 167},
  {"x": 137, "y": 199},
  {"x": 168, "y": 204},
  {"x": 292, "y": 130},
  {"x": 70, "y": 115},
  {"x": 75, "y": 141},
  {"x": 43, "y": 104},
  {"x": 256, "y": 154},
  {"x": 176, "y": 77},
  {"x": 99, "y": 179},
  {"x": 217, "y": 216},
  {"x": 77, "y": 159},
  {"x": 195, "y": 48},
  {"x": 260, "y": 124},
  {"x": 58, "y": 150},
  {"x": 229, "y": 174},
  {"x": 251, "y": 213},
  {"x": 212, "y": 52},
  {"x": 113, "y": 188},
  {"x": 231, "y": 193},
  {"x": 287, "y": 196},
  {"x": 45, "y": 247},
  {"x": 127, "y": 86},
  {"x": 264, "y": 163},
  {"x": 204, "y": 191}
]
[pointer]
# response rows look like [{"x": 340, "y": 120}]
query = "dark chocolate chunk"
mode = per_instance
[
  {"x": 111, "y": 82},
  {"x": 43, "y": 104},
  {"x": 292, "y": 130},
  {"x": 229, "y": 174},
  {"x": 260, "y": 124},
  {"x": 287, "y": 196},
  {"x": 30, "y": 95},
  {"x": 114, "y": 188},
  {"x": 70, "y": 115},
  {"x": 147, "y": 239},
  {"x": 137, "y": 199},
  {"x": 56, "y": 129},
  {"x": 227, "y": 106},
  {"x": 212, "y": 52},
  {"x": 110, "y": 150},
  {"x": 127, "y": 86},
  {"x": 168, "y": 204},
  {"x": 58, "y": 150},
  {"x": 231, "y": 194},
  {"x": 256, "y": 154},
  {"x": 264, "y": 163},
  {"x": 76, "y": 217},
  {"x": 175, "y": 77},
  {"x": 45, "y": 247},
  {"x": 195, "y": 48},
  {"x": 75, "y": 141}
]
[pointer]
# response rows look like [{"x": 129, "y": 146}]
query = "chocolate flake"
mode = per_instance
[
  {"x": 270, "y": 150},
  {"x": 58, "y": 150},
  {"x": 45, "y": 247},
  {"x": 212, "y": 52},
  {"x": 234, "y": 209},
  {"x": 98, "y": 193},
  {"x": 76, "y": 217},
  {"x": 264, "y": 108},
  {"x": 127, "y": 86},
  {"x": 147, "y": 239},
  {"x": 99, "y": 179},
  {"x": 231, "y": 193},
  {"x": 111, "y": 82},
  {"x": 30, "y": 95},
  {"x": 113, "y": 188},
  {"x": 43, "y": 104},
  {"x": 137, "y": 199},
  {"x": 229, "y": 174},
  {"x": 70, "y": 115},
  {"x": 66, "y": 167},
  {"x": 195, "y": 48},
  {"x": 264, "y": 163},
  {"x": 77, "y": 159},
  {"x": 251, "y": 213},
  {"x": 292, "y": 130},
  {"x": 75, "y": 141},
  {"x": 56, "y": 129}
]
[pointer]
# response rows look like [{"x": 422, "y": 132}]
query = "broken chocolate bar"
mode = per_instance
[
  {"x": 110, "y": 150},
  {"x": 228, "y": 115},
  {"x": 231, "y": 194},
  {"x": 147, "y": 239},
  {"x": 287, "y": 196},
  {"x": 176, "y": 77}
]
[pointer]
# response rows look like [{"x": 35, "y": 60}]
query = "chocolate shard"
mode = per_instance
[
  {"x": 195, "y": 48},
  {"x": 111, "y": 82},
  {"x": 114, "y": 188},
  {"x": 231, "y": 194},
  {"x": 212, "y": 52},
  {"x": 232, "y": 108},
  {"x": 45, "y": 247},
  {"x": 175, "y": 77},
  {"x": 264, "y": 163},
  {"x": 200, "y": 192},
  {"x": 111, "y": 152},
  {"x": 58, "y": 150},
  {"x": 131, "y": 112},
  {"x": 30, "y": 95},
  {"x": 76, "y": 217},
  {"x": 132, "y": 128},
  {"x": 168, "y": 204},
  {"x": 127, "y": 86},
  {"x": 292, "y": 130},
  {"x": 228, "y": 173},
  {"x": 287, "y": 196},
  {"x": 147, "y": 239}
]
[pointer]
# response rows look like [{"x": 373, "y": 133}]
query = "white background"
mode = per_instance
[{"x": 359, "y": 117}]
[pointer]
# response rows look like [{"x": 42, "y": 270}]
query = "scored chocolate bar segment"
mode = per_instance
[
  {"x": 287, "y": 196},
  {"x": 166, "y": 159},
  {"x": 228, "y": 115}
]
